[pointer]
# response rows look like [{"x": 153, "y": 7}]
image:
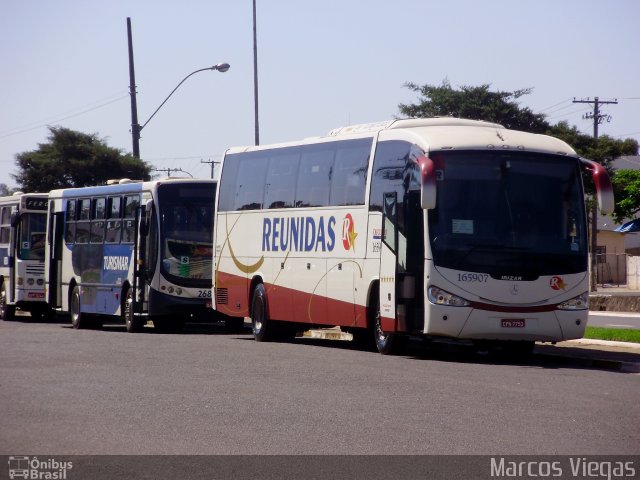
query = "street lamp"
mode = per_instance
[{"x": 136, "y": 128}]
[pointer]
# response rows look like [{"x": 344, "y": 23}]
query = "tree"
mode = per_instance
[
  {"x": 4, "y": 190},
  {"x": 476, "y": 103},
  {"x": 626, "y": 188},
  {"x": 74, "y": 159}
]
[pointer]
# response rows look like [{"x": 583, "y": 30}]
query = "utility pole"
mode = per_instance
[
  {"x": 135, "y": 126},
  {"x": 598, "y": 118},
  {"x": 212, "y": 163},
  {"x": 255, "y": 77},
  {"x": 169, "y": 170}
]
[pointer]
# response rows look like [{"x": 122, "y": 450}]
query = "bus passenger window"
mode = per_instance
[
  {"x": 250, "y": 181},
  {"x": 314, "y": 176},
  {"x": 349, "y": 175},
  {"x": 70, "y": 222},
  {"x": 83, "y": 224},
  {"x": 97, "y": 220},
  {"x": 5, "y": 229},
  {"x": 131, "y": 203},
  {"x": 281, "y": 179},
  {"x": 114, "y": 223}
]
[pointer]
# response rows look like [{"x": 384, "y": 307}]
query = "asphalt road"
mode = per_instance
[{"x": 66, "y": 392}]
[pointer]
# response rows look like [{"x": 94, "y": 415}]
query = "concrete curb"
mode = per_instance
[{"x": 604, "y": 343}]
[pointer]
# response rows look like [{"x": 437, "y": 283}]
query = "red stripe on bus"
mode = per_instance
[{"x": 289, "y": 304}]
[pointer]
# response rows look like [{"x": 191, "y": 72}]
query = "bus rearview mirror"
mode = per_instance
[{"x": 428, "y": 183}]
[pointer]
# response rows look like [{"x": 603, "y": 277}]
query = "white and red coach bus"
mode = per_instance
[{"x": 437, "y": 227}]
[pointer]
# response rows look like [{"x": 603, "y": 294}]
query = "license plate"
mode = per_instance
[{"x": 512, "y": 323}]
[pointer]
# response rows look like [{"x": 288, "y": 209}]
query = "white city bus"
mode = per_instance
[
  {"x": 134, "y": 250},
  {"x": 435, "y": 227},
  {"x": 23, "y": 218}
]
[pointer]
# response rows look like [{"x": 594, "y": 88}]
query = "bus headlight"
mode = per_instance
[
  {"x": 441, "y": 297},
  {"x": 581, "y": 302}
]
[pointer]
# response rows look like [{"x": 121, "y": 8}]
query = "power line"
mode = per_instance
[
  {"x": 555, "y": 105},
  {"x": 13, "y": 132}
]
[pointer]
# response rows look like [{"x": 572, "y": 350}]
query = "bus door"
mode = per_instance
[
  {"x": 56, "y": 233},
  {"x": 388, "y": 263},
  {"x": 401, "y": 264}
]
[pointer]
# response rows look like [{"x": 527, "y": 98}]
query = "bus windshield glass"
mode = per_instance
[
  {"x": 186, "y": 222},
  {"x": 508, "y": 214},
  {"x": 32, "y": 236}
]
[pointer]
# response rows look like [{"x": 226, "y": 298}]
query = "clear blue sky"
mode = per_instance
[{"x": 322, "y": 64}]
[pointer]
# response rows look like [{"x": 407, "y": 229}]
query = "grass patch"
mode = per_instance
[{"x": 614, "y": 334}]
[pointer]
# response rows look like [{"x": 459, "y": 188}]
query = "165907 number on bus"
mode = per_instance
[{"x": 473, "y": 277}]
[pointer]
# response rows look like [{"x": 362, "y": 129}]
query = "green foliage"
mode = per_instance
[
  {"x": 74, "y": 159},
  {"x": 476, "y": 103},
  {"x": 604, "y": 150},
  {"x": 613, "y": 334},
  {"x": 626, "y": 188}
]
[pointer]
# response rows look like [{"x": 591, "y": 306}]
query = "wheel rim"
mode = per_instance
[
  {"x": 75, "y": 307},
  {"x": 127, "y": 309},
  {"x": 3, "y": 301},
  {"x": 381, "y": 337},
  {"x": 258, "y": 315}
]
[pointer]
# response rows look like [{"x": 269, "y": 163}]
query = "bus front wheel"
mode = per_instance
[
  {"x": 133, "y": 323},
  {"x": 7, "y": 312},
  {"x": 387, "y": 343}
]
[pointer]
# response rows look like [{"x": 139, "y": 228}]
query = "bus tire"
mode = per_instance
[
  {"x": 78, "y": 319},
  {"x": 386, "y": 343},
  {"x": 132, "y": 323},
  {"x": 261, "y": 325},
  {"x": 7, "y": 312}
]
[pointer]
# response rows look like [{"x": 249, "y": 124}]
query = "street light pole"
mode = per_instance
[{"x": 136, "y": 128}]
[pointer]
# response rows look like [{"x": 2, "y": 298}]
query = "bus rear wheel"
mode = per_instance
[
  {"x": 262, "y": 327},
  {"x": 78, "y": 319},
  {"x": 7, "y": 312}
]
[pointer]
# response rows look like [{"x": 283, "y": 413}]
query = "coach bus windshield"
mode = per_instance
[
  {"x": 32, "y": 236},
  {"x": 508, "y": 214},
  {"x": 186, "y": 219}
]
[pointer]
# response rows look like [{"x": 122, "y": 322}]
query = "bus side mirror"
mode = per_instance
[
  {"x": 604, "y": 189},
  {"x": 427, "y": 183},
  {"x": 15, "y": 219}
]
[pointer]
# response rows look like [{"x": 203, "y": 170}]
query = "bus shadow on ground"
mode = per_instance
[
  {"x": 189, "y": 328},
  {"x": 543, "y": 356}
]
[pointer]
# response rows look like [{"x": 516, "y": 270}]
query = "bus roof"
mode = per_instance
[
  {"x": 122, "y": 188},
  {"x": 444, "y": 133}
]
